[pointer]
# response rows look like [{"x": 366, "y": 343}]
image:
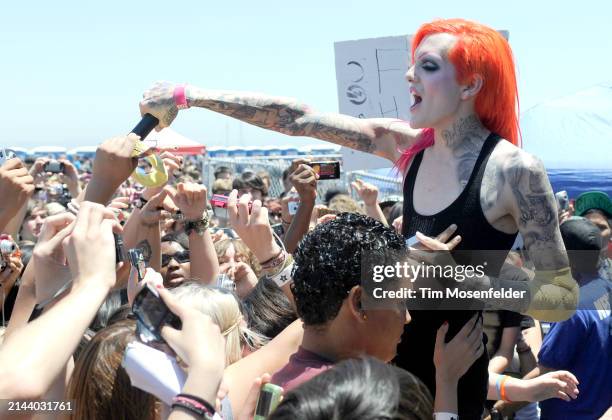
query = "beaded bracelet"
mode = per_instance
[{"x": 274, "y": 261}]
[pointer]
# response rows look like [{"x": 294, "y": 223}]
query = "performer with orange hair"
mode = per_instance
[{"x": 463, "y": 168}]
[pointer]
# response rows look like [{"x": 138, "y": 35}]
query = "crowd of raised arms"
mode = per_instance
[
  {"x": 67, "y": 303},
  {"x": 178, "y": 301}
]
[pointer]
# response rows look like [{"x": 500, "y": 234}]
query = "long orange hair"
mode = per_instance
[{"x": 478, "y": 50}]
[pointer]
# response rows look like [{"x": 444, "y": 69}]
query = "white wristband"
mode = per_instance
[
  {"x": 446, "y": 416},
  {"x": 283, "y": 277}
]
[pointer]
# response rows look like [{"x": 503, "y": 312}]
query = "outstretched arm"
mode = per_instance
[{"x": 380, "y": 136}]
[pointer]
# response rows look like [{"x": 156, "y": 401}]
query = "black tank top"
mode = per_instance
[{"x": 415, "y": 352}]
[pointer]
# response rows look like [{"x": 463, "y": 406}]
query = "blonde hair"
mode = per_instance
[
  {"x": 241, "y": 249},
  {"x": 344, "y": 203},
  {"x": 224, "y": 310}
]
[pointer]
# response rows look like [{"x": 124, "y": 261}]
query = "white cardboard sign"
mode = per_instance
[{"x": 370, "y": 75}]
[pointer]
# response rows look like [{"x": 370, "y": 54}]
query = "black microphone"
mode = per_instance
[{"x": 145, "y": 126}]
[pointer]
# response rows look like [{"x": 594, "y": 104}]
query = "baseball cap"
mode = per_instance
[
  {"x": 580, "y": 234},
  {"x": 593, "y": 200}
]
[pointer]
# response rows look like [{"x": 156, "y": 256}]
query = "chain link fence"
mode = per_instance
[{"x": 275, "y": 165}]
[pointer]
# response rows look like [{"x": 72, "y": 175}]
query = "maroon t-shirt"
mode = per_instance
[{"x": 303, "y": 365}]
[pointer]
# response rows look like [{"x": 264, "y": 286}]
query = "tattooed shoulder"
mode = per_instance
[{"x": 535, "y": 210}]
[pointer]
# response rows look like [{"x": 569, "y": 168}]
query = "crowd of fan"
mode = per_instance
[{"x": 267, "y": 289}]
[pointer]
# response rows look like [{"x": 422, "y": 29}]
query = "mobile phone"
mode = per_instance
[
  {"x": 219, "y": 205},
  {"x": 225, "y": 282},
  {"x": 54, "y": 166},
  {"x": 293, "y": 207},
  {"x": 562, "y": 200},
  {"x": 270, "y": 396},
  {"x": 137, "y": 261},
  {"x": 410, "y": 242},
  {"x": 119, "y": 248},
  {"x": 152, "y": 314},
  {"x": 278, "y": 229},
  {"x": 227, "y": 230},
  {"x": 326, "y": 169}
]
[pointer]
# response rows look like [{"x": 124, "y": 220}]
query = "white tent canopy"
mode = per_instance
[
  {"x": 571, "y": 132},
  {"x": 175, "y": 142}
]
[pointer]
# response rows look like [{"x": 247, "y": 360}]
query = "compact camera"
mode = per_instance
[
  {"x": 326, "y": 169},
  {"x": 137, "y": 260},
  {"x": 54, "y": 167},
  {"x": 152, "y": 314},
  {"x": 7, "y": 249}
]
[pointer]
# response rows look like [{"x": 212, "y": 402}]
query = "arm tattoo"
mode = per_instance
[
  {"x": 537, "y": 222},
  {"x": 287, "y": 116},
  {"x": 493, "y": 182},
  {"x": 537, "y": 218},
  {"x": 465, "y": 138},
  {"x": 147, "y": 252}
]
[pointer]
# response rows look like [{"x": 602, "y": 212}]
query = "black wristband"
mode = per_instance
[
  {"x": 188, "y": 407},
  {"x": 200, "y": 400}
]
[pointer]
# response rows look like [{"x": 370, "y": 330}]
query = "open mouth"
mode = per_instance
[
  {"x": 175, "y": 277},
  {"x": 416, "y": 100}
]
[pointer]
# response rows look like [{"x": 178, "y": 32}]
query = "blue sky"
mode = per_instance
[{"x": 72, "y": 72}]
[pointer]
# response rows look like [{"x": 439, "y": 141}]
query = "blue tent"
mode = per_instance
[{"x": 573, "y": 136}]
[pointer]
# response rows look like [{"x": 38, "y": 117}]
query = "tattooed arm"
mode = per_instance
[
  {"x": 380, "y": 136},
  {"x": 552, "y": 294}
]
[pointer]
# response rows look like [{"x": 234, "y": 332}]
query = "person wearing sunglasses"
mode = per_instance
[{"x": 175, "y": 264}]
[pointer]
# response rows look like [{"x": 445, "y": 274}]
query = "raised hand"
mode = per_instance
[
  {"x": 159, "y": 102},
  {"x": 172, "y": 163},
  {"x": 90, "y": 247},
  {"x": 254, "y": 228},
  {"x": 160, "y": 207},
  {"x": 112, "y": 165},
  {"x": 304, "y": 180},
  {"x": 16, "y": 187},
  {"x": 70, "y": 177},
  {"x": 190, "y": 198},
  {"x": 50, "y": 270},
  {"x": 366, "y": 191}
]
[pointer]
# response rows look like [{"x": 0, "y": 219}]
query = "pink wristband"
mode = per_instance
[{"x": 179, "y": 97}]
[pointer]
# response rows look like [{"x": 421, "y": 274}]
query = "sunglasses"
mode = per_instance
[{"x": 180, "y": 257}]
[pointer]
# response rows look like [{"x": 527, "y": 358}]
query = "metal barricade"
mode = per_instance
[{"x": 275, "y": 165}]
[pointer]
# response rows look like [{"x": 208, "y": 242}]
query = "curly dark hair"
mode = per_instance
[{"x": 328, "y": 263}]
